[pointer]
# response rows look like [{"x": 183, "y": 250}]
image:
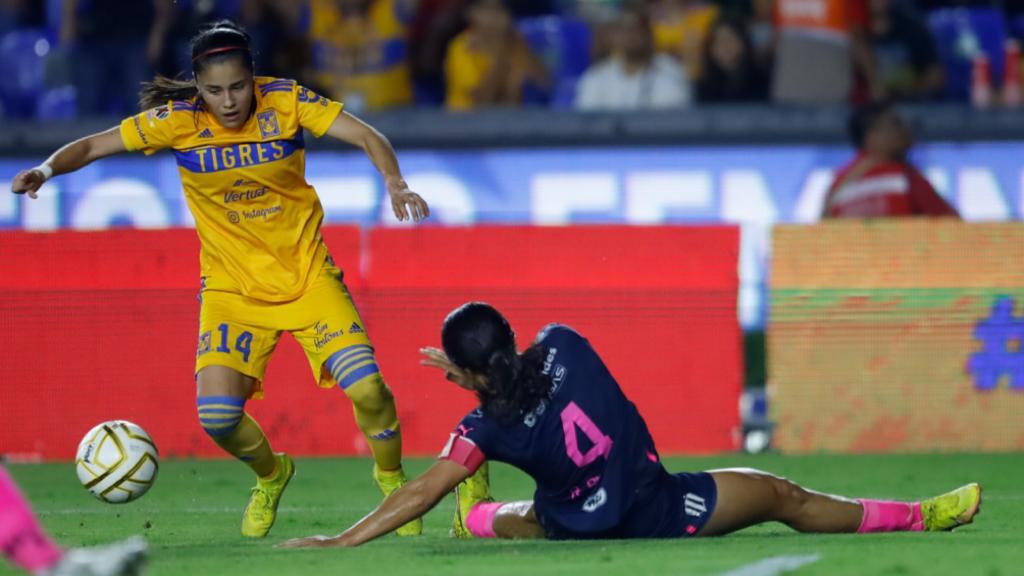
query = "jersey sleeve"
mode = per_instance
[
  {"x": 149, "y": 131},
  {"x": 925, "y": 199},
  {"x": 467, "y": 444},
  {"x": 316, "y": 113}
]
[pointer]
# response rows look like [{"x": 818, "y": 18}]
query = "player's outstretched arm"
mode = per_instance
[
  {"x": 404, "y": 202},
  {"x": 404, "y": 505},
  {"x": 69, "y": 158}
]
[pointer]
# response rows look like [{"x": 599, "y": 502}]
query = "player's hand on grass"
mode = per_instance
[
  {"x": 28, "y": 182},
  {"x": 312, "y": 542},
  {"x": 438, "y": 359},
  {"x": 405, "y": 202}
]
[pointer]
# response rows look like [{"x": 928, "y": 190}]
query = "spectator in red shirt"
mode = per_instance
[{"x": 880, "y": 182}]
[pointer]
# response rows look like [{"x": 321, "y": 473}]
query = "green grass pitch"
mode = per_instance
[{"x": 191, "y": 519}]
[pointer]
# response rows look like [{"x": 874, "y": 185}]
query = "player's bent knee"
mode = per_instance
[
  {"x": 352, "y": 365},
  {"x": 790, "y": 497},
  {"x": 220, "y": 415},
  {"x": 371, "y": 395}
]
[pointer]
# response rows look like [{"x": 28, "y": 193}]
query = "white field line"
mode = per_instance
[
  {"x": 774, "y": 566},
  {"x": 208, "y": 510}
]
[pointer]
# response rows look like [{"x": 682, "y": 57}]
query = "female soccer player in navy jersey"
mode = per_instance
[{"x": 555, "y": 412}]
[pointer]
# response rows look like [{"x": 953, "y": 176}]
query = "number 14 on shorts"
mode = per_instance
[{"x": 243, "y": 342}]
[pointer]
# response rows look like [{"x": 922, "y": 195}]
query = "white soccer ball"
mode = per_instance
[{"x": 117, "y": 461}]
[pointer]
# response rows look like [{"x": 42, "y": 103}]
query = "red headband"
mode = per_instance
[{"x": 213, "y": 51}]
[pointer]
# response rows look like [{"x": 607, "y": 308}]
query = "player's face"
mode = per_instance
[{"x": 226, "y": 90}]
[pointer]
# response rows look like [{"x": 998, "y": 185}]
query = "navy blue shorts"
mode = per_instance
[{"x": 677, "y": 506}]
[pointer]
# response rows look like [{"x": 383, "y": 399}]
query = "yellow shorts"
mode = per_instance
[{"x": 241, "y": 333}]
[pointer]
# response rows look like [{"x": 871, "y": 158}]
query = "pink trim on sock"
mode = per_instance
[
  {"x": 21, "y": 537},
  {"x": 888, "y": 516},
  {"x": 480, "y": 519}
]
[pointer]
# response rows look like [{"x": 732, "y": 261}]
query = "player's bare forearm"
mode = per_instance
[
  {"x": 404, "y": 505},
  {"x": 348, "y": 128},
  {"x": 85, "y": 150},
  {"x": 405, "y": 203},
  {"x": 69, "y": 158}
]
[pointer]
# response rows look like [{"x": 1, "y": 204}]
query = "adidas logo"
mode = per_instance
[
  {"x": 206, "y": 133},
  {"x": 355, "y": 329},
  {"x": 694, "y": 505}
]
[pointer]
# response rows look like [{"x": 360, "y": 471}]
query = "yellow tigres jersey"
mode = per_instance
[{"x": 257, "y": 218}]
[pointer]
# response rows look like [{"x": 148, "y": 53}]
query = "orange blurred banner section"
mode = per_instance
[{"x": 892, "y": 336}]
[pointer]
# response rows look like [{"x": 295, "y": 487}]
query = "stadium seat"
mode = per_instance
[
  {"x": 59, "y": 103},
  {"x": 961, "y": 33},
  {"x": 22, "y": 70},
  {"x": 563, "y": 44}
]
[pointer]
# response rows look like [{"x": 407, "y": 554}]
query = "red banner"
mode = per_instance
[{"x": 97, "y": 326}]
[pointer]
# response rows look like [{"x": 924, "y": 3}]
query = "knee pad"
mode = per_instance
[
  {"x": 353, "y": 364},
  {"x": 220, "y": 415}
]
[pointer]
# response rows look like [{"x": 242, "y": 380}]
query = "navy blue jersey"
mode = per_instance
[{"x": 586, "y": 446}]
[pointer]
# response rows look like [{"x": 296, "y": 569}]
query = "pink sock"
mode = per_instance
[
  {"x": 887, "y": 516},
  {"x": 22, "y": 539},
  {"x": 480, "y": 519}
]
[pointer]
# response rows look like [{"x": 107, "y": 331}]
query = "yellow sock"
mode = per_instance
[
  {"x": 374, "y": 408},
  {"x": 387, "y": 453},
  {"x": 248, "y": 443}
]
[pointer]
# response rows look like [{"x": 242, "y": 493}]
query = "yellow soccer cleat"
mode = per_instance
[
  {"x": 388, "y": 482},
  {"x": 472, "y": 491},
  {"x": 952, "y": 509},
  {"x": 262, "y": 509}
]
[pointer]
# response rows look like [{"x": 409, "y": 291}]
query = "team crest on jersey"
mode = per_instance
[{"x": 268, "y": 124}]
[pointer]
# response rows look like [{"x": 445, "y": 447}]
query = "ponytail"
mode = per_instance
[
  {"x": 162, "y": 89},
  {"x": 475, "y": 336},
  {"x": 516, "y": 383}
]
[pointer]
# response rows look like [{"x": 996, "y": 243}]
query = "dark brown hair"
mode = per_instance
[
  {"x": 216, "y": 43},
  {"x": 477, "y": 337}
]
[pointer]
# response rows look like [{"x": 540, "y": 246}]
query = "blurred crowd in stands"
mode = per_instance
[{"x": 67, "y": 58}]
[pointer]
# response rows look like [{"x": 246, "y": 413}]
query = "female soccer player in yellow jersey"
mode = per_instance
[{"x": 238, "y": 141}]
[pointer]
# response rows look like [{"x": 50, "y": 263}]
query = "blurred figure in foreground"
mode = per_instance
[
  {"x": 881, "y": 182},
  {"x": 27, "y": 546}
]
